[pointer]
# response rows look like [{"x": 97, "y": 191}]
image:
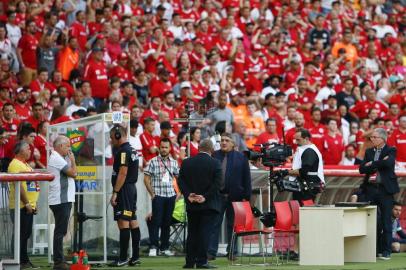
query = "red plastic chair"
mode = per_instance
[
  {"x": 294, "y": 206},
  {"x": 308, "y": 203},
  {"x": 244, "y": 226},
  {"x": 284, "y": 234},
  {"x": 283, "y": 216}
]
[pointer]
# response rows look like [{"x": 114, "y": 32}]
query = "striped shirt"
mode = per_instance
[{"x": 161, "y": 179}]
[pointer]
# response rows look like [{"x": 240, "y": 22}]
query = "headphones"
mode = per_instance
[{"x": 117, "y": 133}]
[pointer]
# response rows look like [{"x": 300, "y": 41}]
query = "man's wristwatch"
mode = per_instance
[{"x": 115, "y": 192}]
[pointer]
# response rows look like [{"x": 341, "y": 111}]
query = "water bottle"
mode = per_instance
[
  {"x": 85, "y": 259},
  {"x": 75, "y": 258}
]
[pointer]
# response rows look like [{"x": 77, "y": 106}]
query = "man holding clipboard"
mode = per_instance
[{"x": 158, "y": 179}]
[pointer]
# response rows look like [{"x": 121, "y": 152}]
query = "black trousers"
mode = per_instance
[
  {"x": 378, "y": 196},
  {"x": 26, "y": 221},
  {"x": 61, "y": 215},
  {"x": 199, "y": 229},
  {"x": 227, "y": 208}
]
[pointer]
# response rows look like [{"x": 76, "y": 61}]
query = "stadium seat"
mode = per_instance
[
  {"x": 244, "y": 226},
  {"x": 307, "y": 202},
  {"x": 283, "y": 228}
]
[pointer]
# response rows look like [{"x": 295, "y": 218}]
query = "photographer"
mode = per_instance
[{"x": 307, "y": 166}]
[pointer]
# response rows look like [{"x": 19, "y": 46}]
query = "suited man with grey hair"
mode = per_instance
[
  {"x": 380, "y": 184},
  {"x": 199, "y": 180}
]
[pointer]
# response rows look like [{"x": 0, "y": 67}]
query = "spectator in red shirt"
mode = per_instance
[
  {"x": 398, "y": 140},
  {"x": 153, "y": 111},
  {"x": 331, "y": 112},
  {"x": 361, "y": 109},
  {"x": 333, "y": 144},
  {"x": 316, "y": 129},
  {"x": 96, "y": 74},
  {"x": 78, "y": 30},
  {"x": 37, "y": 115},
  {"x": 27, "y": 53},
  {"x": 40, "y": 141},
  {"x": 159, "y": 86},
  {"x": 270, "y": 135},
  {"x": 9, "y": 121},
  {"x": 40, "y": 83},
  {"x": 149, "y": 142},
  {"x": 22, "y": 106},
  {"x": 299, "y": 123},
  {"x": 168, "y": 105},
  {"x": 121, "y": 69},
  {"x": 4, "y": 96}
]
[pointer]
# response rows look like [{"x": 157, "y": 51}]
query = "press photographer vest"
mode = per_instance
[{"x": 297, "y": 162}]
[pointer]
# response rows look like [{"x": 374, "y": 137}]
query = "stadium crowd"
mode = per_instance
[{"x": 257, "y": 68}]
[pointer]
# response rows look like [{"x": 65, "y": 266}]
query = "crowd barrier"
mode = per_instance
[
  {"x": 341, "y": 182},
  {"x": 10, "y": 229}
]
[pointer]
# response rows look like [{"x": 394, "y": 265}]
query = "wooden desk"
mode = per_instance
[{"x": 333, "y": 235}]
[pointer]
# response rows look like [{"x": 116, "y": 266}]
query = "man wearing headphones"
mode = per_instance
[
  {"x": 307, "y": 166},
  {"x": 124, "y": 197}
]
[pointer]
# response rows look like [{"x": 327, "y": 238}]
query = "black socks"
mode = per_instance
[
  {"x": 135, "y": 240},
  {"x": 124, "y": 242}
]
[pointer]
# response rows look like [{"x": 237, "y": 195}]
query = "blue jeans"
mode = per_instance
[
  {"x": 162, "y": 210},
  {"x": 227, "y": 208}
]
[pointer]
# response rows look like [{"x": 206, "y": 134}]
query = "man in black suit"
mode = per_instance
[
  {"x": 380, "y": 184},
  {"x": 235, "y": 187},
  {"x": 199, "y": 181}
]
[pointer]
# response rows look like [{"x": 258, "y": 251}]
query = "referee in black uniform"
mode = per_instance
[{"x": 124, "y": 197}]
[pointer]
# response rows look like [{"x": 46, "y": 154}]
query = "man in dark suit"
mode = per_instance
[
  {"x": 199, "y": 181},
  {"x": 235, "y": 186},
  {"x": 380, "y": 184}
]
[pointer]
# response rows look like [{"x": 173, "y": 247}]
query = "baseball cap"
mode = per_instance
[
  {"x": 185, "y": 85},
  {"x": 256, "y": 47},
  {"x": 214, "y": 88},
  {"x": 21, "y": 89},
  {"x": 234, "y": 92},
  {"x": 123, "y": 56}
]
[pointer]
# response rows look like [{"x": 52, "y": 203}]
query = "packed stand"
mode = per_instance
[{"x": 256, "y": 69}]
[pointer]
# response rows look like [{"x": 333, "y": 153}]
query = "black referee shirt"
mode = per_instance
[{"x": 125, "y": 156}]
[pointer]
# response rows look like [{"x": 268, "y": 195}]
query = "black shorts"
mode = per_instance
[{"x": 126, "y": 203}]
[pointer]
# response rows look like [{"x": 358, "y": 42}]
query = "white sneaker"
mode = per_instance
[
  {"x": 167, "y": 252},
  {"x": 152, "y": 252},
  {"x": 385, "y": 258}
]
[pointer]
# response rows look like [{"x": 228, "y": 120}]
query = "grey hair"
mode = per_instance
[
  {"x": 206, "y": 145},
  {"x": 19, "y": 146},
  {"x": 382, "y": 133},
  {"x": 60, "y": 140}
]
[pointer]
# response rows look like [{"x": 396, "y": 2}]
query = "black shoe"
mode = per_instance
[
  {"x": 205, "y": 266},
  {"x": 188, "y": 266},
  {"x": 61, "y": 266},
  {"x": 134, "y": 262},
  {"x": 28, "y": 265},
  {"x": 119, "y": 263}
]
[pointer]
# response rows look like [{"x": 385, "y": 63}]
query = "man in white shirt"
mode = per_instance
[
  {"x": 61, "y": 194},
  {"x": 76, "y": 105}
]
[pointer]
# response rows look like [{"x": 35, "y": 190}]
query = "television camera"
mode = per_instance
[{"x": 273, "y": 155}]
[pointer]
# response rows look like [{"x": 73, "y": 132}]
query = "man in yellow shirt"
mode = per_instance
[{"x": 29, "y": 193}]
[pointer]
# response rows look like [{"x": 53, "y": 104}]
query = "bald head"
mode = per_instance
[{"x": 206, "y": 146}]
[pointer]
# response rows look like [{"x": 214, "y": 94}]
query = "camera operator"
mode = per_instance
[{"x": 307, "y": 166}]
